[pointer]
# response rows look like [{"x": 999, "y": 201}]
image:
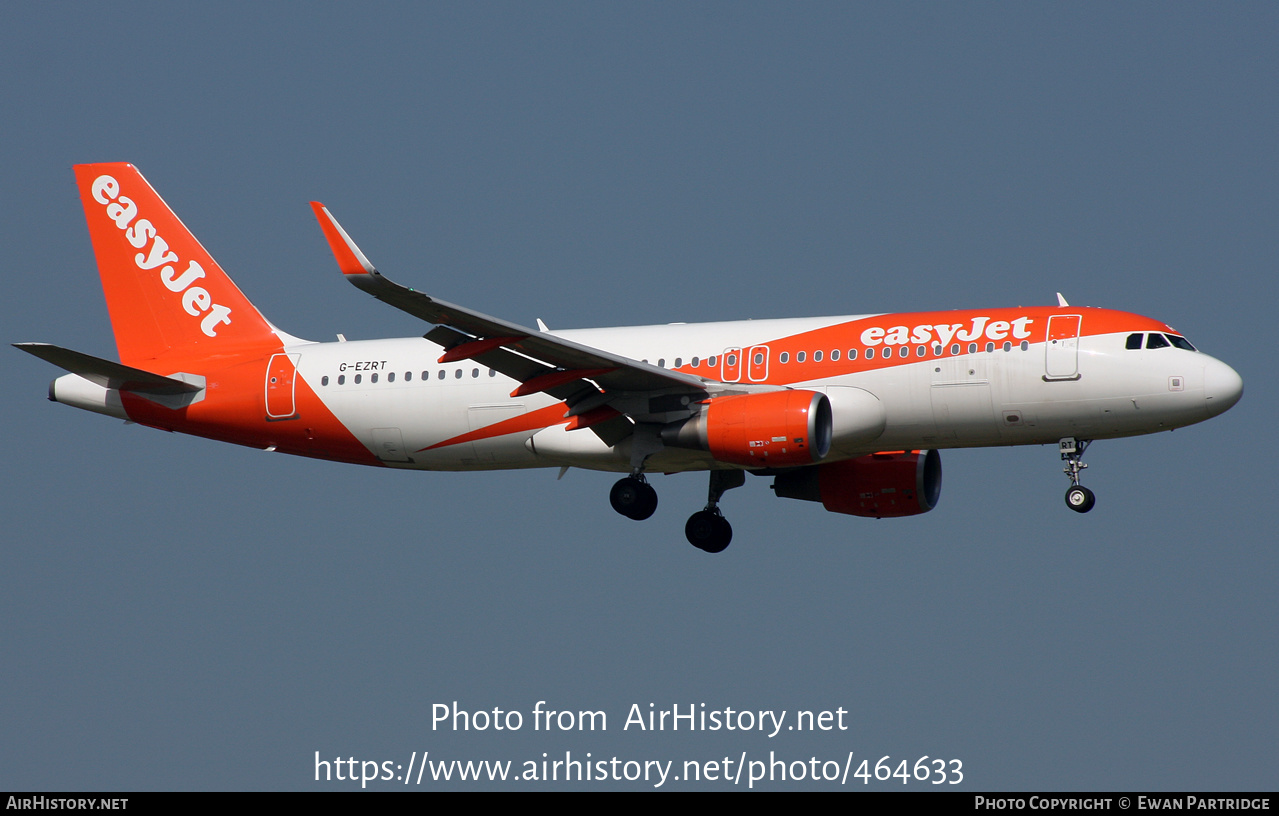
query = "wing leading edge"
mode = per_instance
[{"x": 588, "y": 379}]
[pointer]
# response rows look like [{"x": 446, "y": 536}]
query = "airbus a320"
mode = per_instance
[{"x": 846, "y": 411}]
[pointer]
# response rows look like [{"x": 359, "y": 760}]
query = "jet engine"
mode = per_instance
[
  {"x": 881, "y": 485},
  {"x": 769, "y": 429}
]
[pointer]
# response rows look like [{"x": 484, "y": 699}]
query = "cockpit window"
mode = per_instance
[
  {"x": 1181, "y": 342},
  {"x": 1134, "y": 341},
  {"x": 1154, "y": 341}
]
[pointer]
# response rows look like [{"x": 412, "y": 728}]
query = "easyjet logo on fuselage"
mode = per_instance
[
  {"x": 923, "y": 334},
  {"x": 196, "y": 300}
]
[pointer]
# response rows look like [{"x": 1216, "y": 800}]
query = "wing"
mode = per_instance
[{"x": 597, "y": 385}]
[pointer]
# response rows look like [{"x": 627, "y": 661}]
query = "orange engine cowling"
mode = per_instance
[
  {"x": 770, "y": 429},
  {"x": 882, "y": 485}
]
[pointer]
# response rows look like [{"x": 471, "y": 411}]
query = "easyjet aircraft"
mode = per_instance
[{"x": 847, "y": 411}]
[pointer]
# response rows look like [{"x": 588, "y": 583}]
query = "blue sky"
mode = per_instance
[{"x": 180, "y": 614}]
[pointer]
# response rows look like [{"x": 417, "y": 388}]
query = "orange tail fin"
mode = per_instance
[{"x": 167, "y": 297}]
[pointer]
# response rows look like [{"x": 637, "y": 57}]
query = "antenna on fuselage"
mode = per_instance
[{"x": 1061, "y": 301}]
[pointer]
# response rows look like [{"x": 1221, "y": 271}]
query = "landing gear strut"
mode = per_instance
[
  {"x": 707, "y": 529},
  {"x": 1078, "y": 498},
  {"x": 633, "y": 497}
]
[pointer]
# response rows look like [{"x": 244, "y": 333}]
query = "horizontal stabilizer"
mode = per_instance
[{"x": 108, "y": 374}]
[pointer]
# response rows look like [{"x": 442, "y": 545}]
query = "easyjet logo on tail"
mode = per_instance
[{"x": 196, "y": 300}]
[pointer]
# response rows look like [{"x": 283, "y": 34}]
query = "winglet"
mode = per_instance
[{"x": 349, "y": 257}]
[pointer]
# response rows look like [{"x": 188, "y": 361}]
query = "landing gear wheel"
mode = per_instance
[
  {"x": 633, "y": 498},
  {"x": 1080, "y": 499},
  {"x": 709, "y": 531}
]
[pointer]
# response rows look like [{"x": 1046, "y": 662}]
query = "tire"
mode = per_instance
[
  {"x": 708, "y": 531},
  {"x": 633, "y": 498},
  {"x": 1080, "y": 499}
]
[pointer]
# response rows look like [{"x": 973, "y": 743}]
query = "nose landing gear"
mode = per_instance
[{"x": 1078, "y": 498}]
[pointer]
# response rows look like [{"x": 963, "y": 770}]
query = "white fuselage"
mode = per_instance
[{"x": 397, "y": 400}]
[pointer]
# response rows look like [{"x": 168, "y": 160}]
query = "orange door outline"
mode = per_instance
[
  {"x": 731, "y": 365},
  {"x": 280, "y": 374}
]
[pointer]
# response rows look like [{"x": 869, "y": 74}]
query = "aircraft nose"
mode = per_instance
[{"x": 1222, "y": 387}]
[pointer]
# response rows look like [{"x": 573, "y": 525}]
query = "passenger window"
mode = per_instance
[
  {"x": 954, "y": 348},
  {"x": 694, "y": 363},
  {"x": 679, "y": 361},
  {"x": 801, "y": 357},
  {"x": 784, "y": 357},
  {"x": 475, "y": 372},
  {"x": 357, "y": 378},
  {"x": 373, "y": 378},
  {"x": 441, "y": 375},
  {"x": 852, "y": 354},
  {"x": 937, "y": 349},
  {"x": 710, "y": 361},
  {"x": 1134, "y": 341},
  {"x": 341, "y": 379},
  {"x": 661, "y": 362},
  {"x": 834, "y": 355},
  {"x": 887, "y": 352},
  {"x": 990, "y": 347},
  {"x": 759, "y": 358},
  {"x": 324, "y": 380},
  {"x": 492, "y": 373},
  {"x": 1154, "y": 341},
  {"x": 1025, "y": 345},
  {"x": 1008, "y": 346},
  {"x": 457, "y": 374},
  {"x": 972, "y": 348},
  {"x": 817, "y": 356},
  {"x": 904, "y": 352},
  {"x": 921, "y": 351}
]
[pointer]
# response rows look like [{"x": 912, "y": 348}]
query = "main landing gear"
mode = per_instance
[
  {"x": 707, "y": 529},
  {"x": 1078, "y": 498},
  {"x": 634, "y": 497}
]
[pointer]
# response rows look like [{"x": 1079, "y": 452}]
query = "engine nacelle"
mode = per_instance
[
  {"x": 769, "y": 429},
  {"x": 882, "y": 485}
]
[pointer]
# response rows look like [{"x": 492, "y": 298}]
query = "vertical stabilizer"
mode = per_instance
[{"x": 168, "y": 299}]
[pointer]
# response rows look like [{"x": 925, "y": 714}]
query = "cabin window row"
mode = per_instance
[
  {"x": 784, "y": 357},
  {"x": 887, "y": 351},
  {"x": 442, "y": 374},
  {"x": 853, "y": 354}
]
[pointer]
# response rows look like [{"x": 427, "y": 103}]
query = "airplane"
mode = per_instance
[{"x": 847, "y": 411}]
